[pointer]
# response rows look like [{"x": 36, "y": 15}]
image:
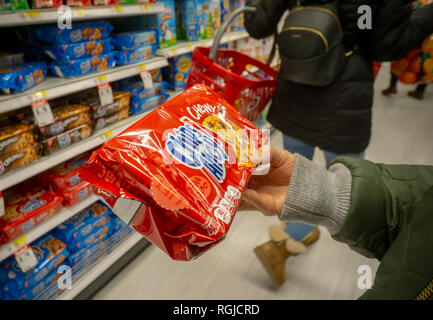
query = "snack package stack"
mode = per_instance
[
  {"x": 188, "y": 18},
  {"x": 78, "y": 3},
  {"x": 13, "y": 5},
  {"x": 50, "y": 253},
  {"x": 164, "y": 24},
  {"x": 22, "y": 77},
  {"x": 135, "y": 46},
  {"x": 83, "y": 49},
  {"x": 211, "y": 18},
  {"x": 176, "y": 74},
  {"x": 183, "y": 169},
  {"x": 45, "y": 4},
  {"x": 142, "y": 99},
  {"x": 85, "y": 228},
  {"x": 225, "y": 9},
  {"x": 26, "y": 206},
  {"x": 105, "y": 115},
  {"x": 64, "y": 180},
  {"x": 18, "y": 146},
  {"x": 238, "y": 23}
]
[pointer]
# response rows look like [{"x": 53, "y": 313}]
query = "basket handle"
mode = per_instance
[{"x": 223, "y": 28}]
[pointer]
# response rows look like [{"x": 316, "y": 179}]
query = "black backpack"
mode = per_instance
[{"x": 311, "y": 45}]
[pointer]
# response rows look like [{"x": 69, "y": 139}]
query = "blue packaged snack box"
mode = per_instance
[
  {"x": 148, "y": 104},
  {"x": 83, "y": 223},
  {"x": 80, "y": 32},
  {"x": 156, "y": 75},
  {"x": 189, "y": 12},
  {"x": 95, "y": 236},
  {"x": 237, "y": 24},
  {"x": 133, "y": 39},
  {"x": 178, "y": 70},
  {"x": 139, "y": 92},
  {"x": 80, "y": 67},
  {"x": 133, "y": 56},
  {"x": 50, "y": 253},
  {"x": 22, "y": 77},
  {"x": 73, "y": 51},
  {"x": 225, "y": 9},
  {"x": 163, "y": 23}
]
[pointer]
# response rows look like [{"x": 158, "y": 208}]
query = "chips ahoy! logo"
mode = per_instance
[{"x": 197, "y": 150}]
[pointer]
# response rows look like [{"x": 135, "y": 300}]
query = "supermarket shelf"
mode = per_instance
[
  {"x": 39, "y": 16},
  {"x": 41, "y": 229},
  {"x": 14, "y": 177},
  {"x": 54, "y": 87},
  {"x": 84, "y": 281},
  {"x": 188, "y": 46}
]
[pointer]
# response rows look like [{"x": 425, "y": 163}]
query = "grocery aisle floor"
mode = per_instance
[{"x": 402, "y": 133}]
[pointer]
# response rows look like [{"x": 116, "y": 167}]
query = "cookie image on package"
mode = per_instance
[{"x": 232, "y": 134}]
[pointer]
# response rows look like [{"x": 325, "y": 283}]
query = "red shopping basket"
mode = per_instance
[
  {"x": 376, "y": 68},
  {"x": 244, "y": 82}
]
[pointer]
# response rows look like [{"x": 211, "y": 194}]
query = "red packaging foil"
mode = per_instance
[
  {"x": 76, "y": 194},
  {"x": 178, "y": 174}
]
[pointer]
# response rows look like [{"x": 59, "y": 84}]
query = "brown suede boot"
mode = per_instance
[
  {"x": 273, "y": 256},
  {"x": 274, "y": 253},
  {"x": 389, "y": 91}
]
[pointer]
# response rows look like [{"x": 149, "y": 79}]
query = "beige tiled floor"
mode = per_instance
[{"x": 402, "y": 133}]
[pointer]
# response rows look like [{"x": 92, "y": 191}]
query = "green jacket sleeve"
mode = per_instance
[{"x": 382, "y": 200}]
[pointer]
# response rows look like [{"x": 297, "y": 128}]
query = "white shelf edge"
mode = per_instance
[
  {"x": 87, "y": 278},
  {"x": 12, "y": 178},
  {"x": 40, "y": 16},
  {"x": 64, "y": 214},
  {"x": 189, "y": 46},
  {"x": 54, "y": 87}
]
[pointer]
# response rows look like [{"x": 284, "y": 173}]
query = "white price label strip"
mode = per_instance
[
  {"x": 147, "y": 79},
  {"x": 42, "y": 112},
  {"x": 105, "y": 93},
  {"x": 25, "y": 258}
]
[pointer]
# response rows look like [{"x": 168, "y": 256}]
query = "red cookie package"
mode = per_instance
[{"x": 178, "y": 174}]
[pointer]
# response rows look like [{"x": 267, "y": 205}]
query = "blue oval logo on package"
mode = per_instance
[
  {"x": 194, "y": 148},
  {"x": 32, "y": 205}
]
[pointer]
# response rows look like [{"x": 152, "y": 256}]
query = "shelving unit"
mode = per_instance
[
  {"x": 54, "y": 87},
  {"x": 46, "y": 226},
  {"x": 40, "y": 16},
  {"x": 14, "y": 177},
  {"x": 102, "y": 266}
]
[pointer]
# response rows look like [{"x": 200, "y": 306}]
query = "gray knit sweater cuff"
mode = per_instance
[{"x": 318, "y": 196}]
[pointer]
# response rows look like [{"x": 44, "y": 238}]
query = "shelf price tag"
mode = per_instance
[
  {"x": 80, "y": 11},
  {"x": 147, "y": 79},
  {"x": 32, "y": 14},
  {"x": 25, "y": 258},
  {"x": 146, "y": 7},
  {"x": 105, "y": 93},
  {"x": 42, "y": 112},
  {"x": 118, "y": 8}
]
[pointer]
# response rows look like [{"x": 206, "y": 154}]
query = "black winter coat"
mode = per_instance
[{"x": 337, "y": 117}]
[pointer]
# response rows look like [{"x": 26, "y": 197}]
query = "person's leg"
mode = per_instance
[
  {"x": 392, "y": 89},
  {"x": 329, "y": 156},
  {"x": 297, "y": 146},
  {"x": 418, "y": 93}
]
